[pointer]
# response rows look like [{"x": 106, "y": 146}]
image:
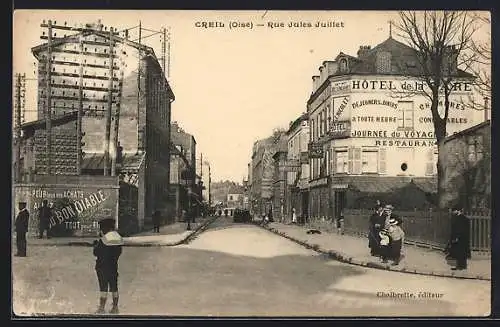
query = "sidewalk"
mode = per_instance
[
  {"x": 354, "y": 250},
  {"x": 170, "y": 235}
]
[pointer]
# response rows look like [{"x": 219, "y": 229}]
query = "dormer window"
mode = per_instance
[
  {"x": 383, "y": 63},
  {"x": 343, "y": 65}
]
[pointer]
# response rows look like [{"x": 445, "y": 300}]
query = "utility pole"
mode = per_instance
[
  {"x": 110, "y": 105},
  {"x": 48, "y": 112},
  {"x": 139, "y": 88},
  {"x": 201, "y": 165}
]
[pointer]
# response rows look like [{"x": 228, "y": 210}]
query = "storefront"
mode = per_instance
[{"x": 78, "y": 203}]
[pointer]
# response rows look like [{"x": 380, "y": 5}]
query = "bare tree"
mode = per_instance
[
  {"x": 443, "y": 42},
  {"x": 470, "y": 171},
  {"x": 481, "y": 52}
]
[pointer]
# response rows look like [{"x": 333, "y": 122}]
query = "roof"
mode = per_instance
[
  {"x": 428, "y": 185},
  {"x": 130, "y": 162},
  {"x": 467, "y": 131},
  {"x": 294, "y": 124},
  {"x": 56, "y": 121},
  {"x": 377, "y": 184},
  {"x": 104, "y": 34}
]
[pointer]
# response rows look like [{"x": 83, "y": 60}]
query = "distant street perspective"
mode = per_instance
[
  {"x": 236, "y": 270},
  {"x": 181, "y": 163}
]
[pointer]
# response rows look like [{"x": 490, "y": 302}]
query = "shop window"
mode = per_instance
[
  {"x": 369, "y": 161},
  {"x": 405, "y": 114},
  {"x": 342, "y": 162}
]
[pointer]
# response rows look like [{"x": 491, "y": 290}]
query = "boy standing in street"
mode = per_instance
[{"x": 107, "y": 251}]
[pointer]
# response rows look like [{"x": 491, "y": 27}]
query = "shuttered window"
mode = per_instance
[
  {"x": 382, "y": 161},
  {"x": 369, "y": 161},
  {"x": 405, "y": 114},
  {"x": 341, "y": 161},
  {"x": 332, "y": 161},
  {"x": 356, "y": 161}
]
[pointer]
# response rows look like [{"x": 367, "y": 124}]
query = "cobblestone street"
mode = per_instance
[{"x": 234, "y": 270}]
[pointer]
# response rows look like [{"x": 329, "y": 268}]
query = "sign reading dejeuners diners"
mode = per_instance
[{"x": 74, "y": 207}]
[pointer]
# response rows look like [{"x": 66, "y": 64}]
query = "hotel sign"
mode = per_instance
[
  {"x": 340, "y": 129},
  {"x": 315, "y": 150},
  {"x": 292, "y": 165}
]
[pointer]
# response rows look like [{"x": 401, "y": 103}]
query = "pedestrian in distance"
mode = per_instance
[
  {"x": 340, "y": 223},
  {"x": 21, "y": 223},
  {"x": 460, "y": 238},
  {"x": 44, "y": 214},
  {"x": 396, "y": 237},
  {"x": 376, "y": 224},
  {"x": 107, "y": 251},
  {"x": 294, "y": 216},
  {"x": 156, "y": 221}
]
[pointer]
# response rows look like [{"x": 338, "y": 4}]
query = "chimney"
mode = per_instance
[
  {"x": 330, "y": 67},
  {"x": 363, "y": 50},
  {"x": 321, "y": 75},
  {"x": 315, "y": 79}
]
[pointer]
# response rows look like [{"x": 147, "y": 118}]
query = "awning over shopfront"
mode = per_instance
[{"x": 130, "y": 162}]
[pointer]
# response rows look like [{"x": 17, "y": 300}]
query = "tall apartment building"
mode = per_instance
[{"x": 91, "y": 74}]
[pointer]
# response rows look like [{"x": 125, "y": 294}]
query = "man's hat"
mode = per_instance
[
  {"x": 389, "y": 206},
  {"x": 393, "y": 221}
]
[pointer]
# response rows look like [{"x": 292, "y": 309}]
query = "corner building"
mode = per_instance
[{"x": 372, "y": 131}]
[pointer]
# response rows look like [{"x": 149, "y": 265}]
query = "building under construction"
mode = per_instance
[{"x": 104, "y": 109}]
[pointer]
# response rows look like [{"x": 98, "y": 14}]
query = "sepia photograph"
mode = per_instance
[{"x": 265, "y": 163}]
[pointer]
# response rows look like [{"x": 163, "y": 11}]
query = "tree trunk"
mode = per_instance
[{"x": 440, "y": 132}]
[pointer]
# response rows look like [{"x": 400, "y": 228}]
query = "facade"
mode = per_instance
[
  {"x": 279, "y": 179},
  {"x": 371, "y": 129},
  {"x": 261, "y": 191},
  {"x": 183, "y": 178},
  {"x": 95, "y": 72},
  {"x": 468, "y": 167},
  {"x": 297, "y": 195}
]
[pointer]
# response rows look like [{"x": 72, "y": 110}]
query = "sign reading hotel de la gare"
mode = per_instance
[
  {"x": 376, "y": 111},
  {"x": 78, "y": 210}
]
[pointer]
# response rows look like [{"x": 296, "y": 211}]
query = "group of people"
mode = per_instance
[{"x": 385, "y": 234}]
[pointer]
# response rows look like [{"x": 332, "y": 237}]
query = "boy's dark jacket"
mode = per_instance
[{"x": 106, "y": 256}]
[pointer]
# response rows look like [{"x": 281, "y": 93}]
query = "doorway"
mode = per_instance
[{"x": 339, "y": 204}]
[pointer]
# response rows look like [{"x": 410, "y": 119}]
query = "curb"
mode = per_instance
[
  {"x": 335, "y": 255},
  {"x": 185, "y": 240}
]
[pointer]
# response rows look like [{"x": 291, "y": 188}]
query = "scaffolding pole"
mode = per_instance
[
  {"x": 110, "y": 105},
  {"x": 48, "y": 110},
  {"x": 80, "y": 113},
  {"x": 116, "y": 141}
]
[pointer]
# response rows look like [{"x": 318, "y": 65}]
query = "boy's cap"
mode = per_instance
[
  {"x": 389, "y": 206},
  {"x": 112, "y": 238}
]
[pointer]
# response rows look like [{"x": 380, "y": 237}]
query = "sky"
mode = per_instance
[{"x": 233, "y": 86}]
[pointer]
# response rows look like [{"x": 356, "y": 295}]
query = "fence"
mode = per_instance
[{"x": 428, "y": 228}]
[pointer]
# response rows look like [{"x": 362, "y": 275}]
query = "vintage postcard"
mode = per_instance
[{"x": 251, "y": 163}]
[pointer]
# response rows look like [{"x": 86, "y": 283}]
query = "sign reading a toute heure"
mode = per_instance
[{"x": 75, "y": 211}]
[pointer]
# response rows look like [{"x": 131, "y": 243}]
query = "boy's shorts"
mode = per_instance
[{"x": 107, "y": 281}]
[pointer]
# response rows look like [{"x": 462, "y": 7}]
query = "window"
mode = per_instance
[
  {"x": 343, "y": 65},
  {"x": 405, "y": 114},
  {"x": 230, "y": 198},
  {"x": 369, "y": 161},
  {"x": 383, "y": 62},
  {"x": 320, "y": 124},
  {"x": 475, "y": 148},
  {"x": 342, "y": 162}
]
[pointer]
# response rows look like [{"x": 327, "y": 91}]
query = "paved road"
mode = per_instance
[{"x": 233, "y": 270}]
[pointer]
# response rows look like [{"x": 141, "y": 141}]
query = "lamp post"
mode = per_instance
[{"x": 188, "y": 212}]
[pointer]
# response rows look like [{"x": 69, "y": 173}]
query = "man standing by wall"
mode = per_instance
[
  {"x": 22, "y": 221},
  {"x": 460, "y": 238},
  {"x": 44, "y": 214}
]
